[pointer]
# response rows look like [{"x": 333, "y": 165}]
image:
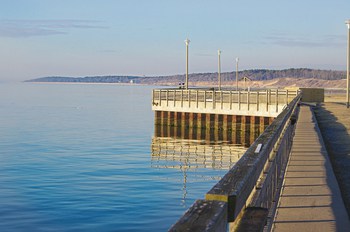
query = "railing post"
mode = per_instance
[
  {"x": 182, "y": 98},
  {"x": 160, "y": 97},
  {"x": 287, "y": 95},
  {"x": 248, "y": 99},
  {"x": 257, "y": 100},
  {"x": 276, "y": 100},
  {"x": 239, "y": 99},
  {"x": 174, "y": 99},
  {"x": 205, "y": 99},
  {"x": 221, "y": 100},
  {"x": 214, "y": 100},
  {"x": 267, "y": 100},
  {"x": 197, "y": 98},
  {"x": 230, "y": 100},
  {"x": 189, "y": 98},
  {"x": 167, "y": 97}
]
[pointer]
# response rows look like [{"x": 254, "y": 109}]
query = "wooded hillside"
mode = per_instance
[{"x": 206, "y": 78}]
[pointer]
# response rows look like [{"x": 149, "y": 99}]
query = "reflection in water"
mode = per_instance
[
  {"x": 187, "y": 155},
  {"x": 191, "y": 149}
]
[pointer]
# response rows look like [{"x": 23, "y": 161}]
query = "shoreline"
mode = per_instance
[
  {"x": 192, "y": 86},
  {"x": 85, "y": 83}
]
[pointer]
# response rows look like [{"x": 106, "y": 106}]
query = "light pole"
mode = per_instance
[
  {"x": 187, "y": 41},
  {"x": 219, "y": 69},
  {"x": 237, "y": 59},
  {"x": 348, "y": 65}
]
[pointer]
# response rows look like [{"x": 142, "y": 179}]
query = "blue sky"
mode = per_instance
[{"x": 146, "y": 37}]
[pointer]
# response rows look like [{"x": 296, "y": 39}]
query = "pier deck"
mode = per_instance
[{"x": 310, "y": 198}]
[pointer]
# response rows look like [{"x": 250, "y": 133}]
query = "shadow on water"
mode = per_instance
[{"x": 190, "y": 149}]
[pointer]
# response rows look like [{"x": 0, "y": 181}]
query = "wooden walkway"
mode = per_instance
[{"x": 310, "y": 199}]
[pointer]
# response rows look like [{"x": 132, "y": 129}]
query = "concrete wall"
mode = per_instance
[
  {"x": 261, "y": 109},
  {"x": 209, "y": 127},
  {"x": 310, "y": 94}
]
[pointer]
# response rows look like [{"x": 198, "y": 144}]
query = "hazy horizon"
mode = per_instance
[{"x": 146, "y": 38}]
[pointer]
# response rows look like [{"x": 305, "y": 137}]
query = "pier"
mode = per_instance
[
  {"x": 266, "y": 103},
  {"x": 255, "y": 194},
  {"x": 310, "y": 199}
]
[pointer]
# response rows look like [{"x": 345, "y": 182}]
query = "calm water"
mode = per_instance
[{"x": 85, "y": 158}]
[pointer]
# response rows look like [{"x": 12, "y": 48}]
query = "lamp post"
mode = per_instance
[
  {"x": 348, "y": 65},
  {"x": 237, "y": 60},
  {"x": 187, "y": 42},
  {"x": 219, "y": 69}
]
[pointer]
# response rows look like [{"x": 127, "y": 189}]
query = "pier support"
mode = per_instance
[{"x": 236, "y": 129}]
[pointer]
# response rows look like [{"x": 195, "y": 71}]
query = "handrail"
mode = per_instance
[
  {"x": 250, "y": 187},
  {"x": 212, "y": 100},
  {"x": 221, "y": 96}
]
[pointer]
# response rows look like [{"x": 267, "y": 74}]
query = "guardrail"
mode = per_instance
[
  {"x": 259, "y": 103},
  {"x": 245, "y": 196}
]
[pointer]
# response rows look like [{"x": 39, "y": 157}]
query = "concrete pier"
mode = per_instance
[
  {"x": 310, "y": 199},
  {"x": 234, "y": 133},
  {"x": 205, "y": 120}
]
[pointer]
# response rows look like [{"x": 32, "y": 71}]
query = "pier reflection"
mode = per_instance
[
  {"x": 206, "y": 154},
  {"x": 194, "y": 153}
]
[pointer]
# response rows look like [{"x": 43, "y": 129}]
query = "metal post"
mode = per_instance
[
  {"x": 276, "y": 100},
  {"x": 237, "y": 59},
  {"x": 221, "y": 99},
  {"x": 182, "y": 98},
  {"x": 267, "y": 100},
  {"x": 214, "y": 99},
  {"x": 167, "y": 97},
  {"x": 160, "y": 97},
  {"x": 187, "y": 41},
  {"x": 248, "y": 99},
  {"x": 219, "y": 69},
  {"x": 239, "y": 100},
  {"x": 257, "y": 100},
  {"x": 348, "y": 65}
]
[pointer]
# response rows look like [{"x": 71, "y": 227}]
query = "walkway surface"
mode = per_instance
[{"x": 310, "y": 198}]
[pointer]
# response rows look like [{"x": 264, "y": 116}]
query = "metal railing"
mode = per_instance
[
  {"x": 249, "y": 190},
  {"x": 260, "y": 100}
]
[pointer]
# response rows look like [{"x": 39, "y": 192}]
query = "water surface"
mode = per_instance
[{"x": 79, "y": 157}]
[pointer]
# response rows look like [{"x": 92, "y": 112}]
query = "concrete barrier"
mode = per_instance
[{"x": 251, "y": 186}]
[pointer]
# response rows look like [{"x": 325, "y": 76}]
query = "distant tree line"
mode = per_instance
[
  {"x": 253, "y": 74},
  {"x": 92, "y": 79},
  {"x": 260, "y": 74}
]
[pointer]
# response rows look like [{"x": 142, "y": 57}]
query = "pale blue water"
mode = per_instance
[{"x": 78, "y": 158}]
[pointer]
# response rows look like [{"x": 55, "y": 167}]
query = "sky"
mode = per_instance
[{"x": 146, "y": 37}]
